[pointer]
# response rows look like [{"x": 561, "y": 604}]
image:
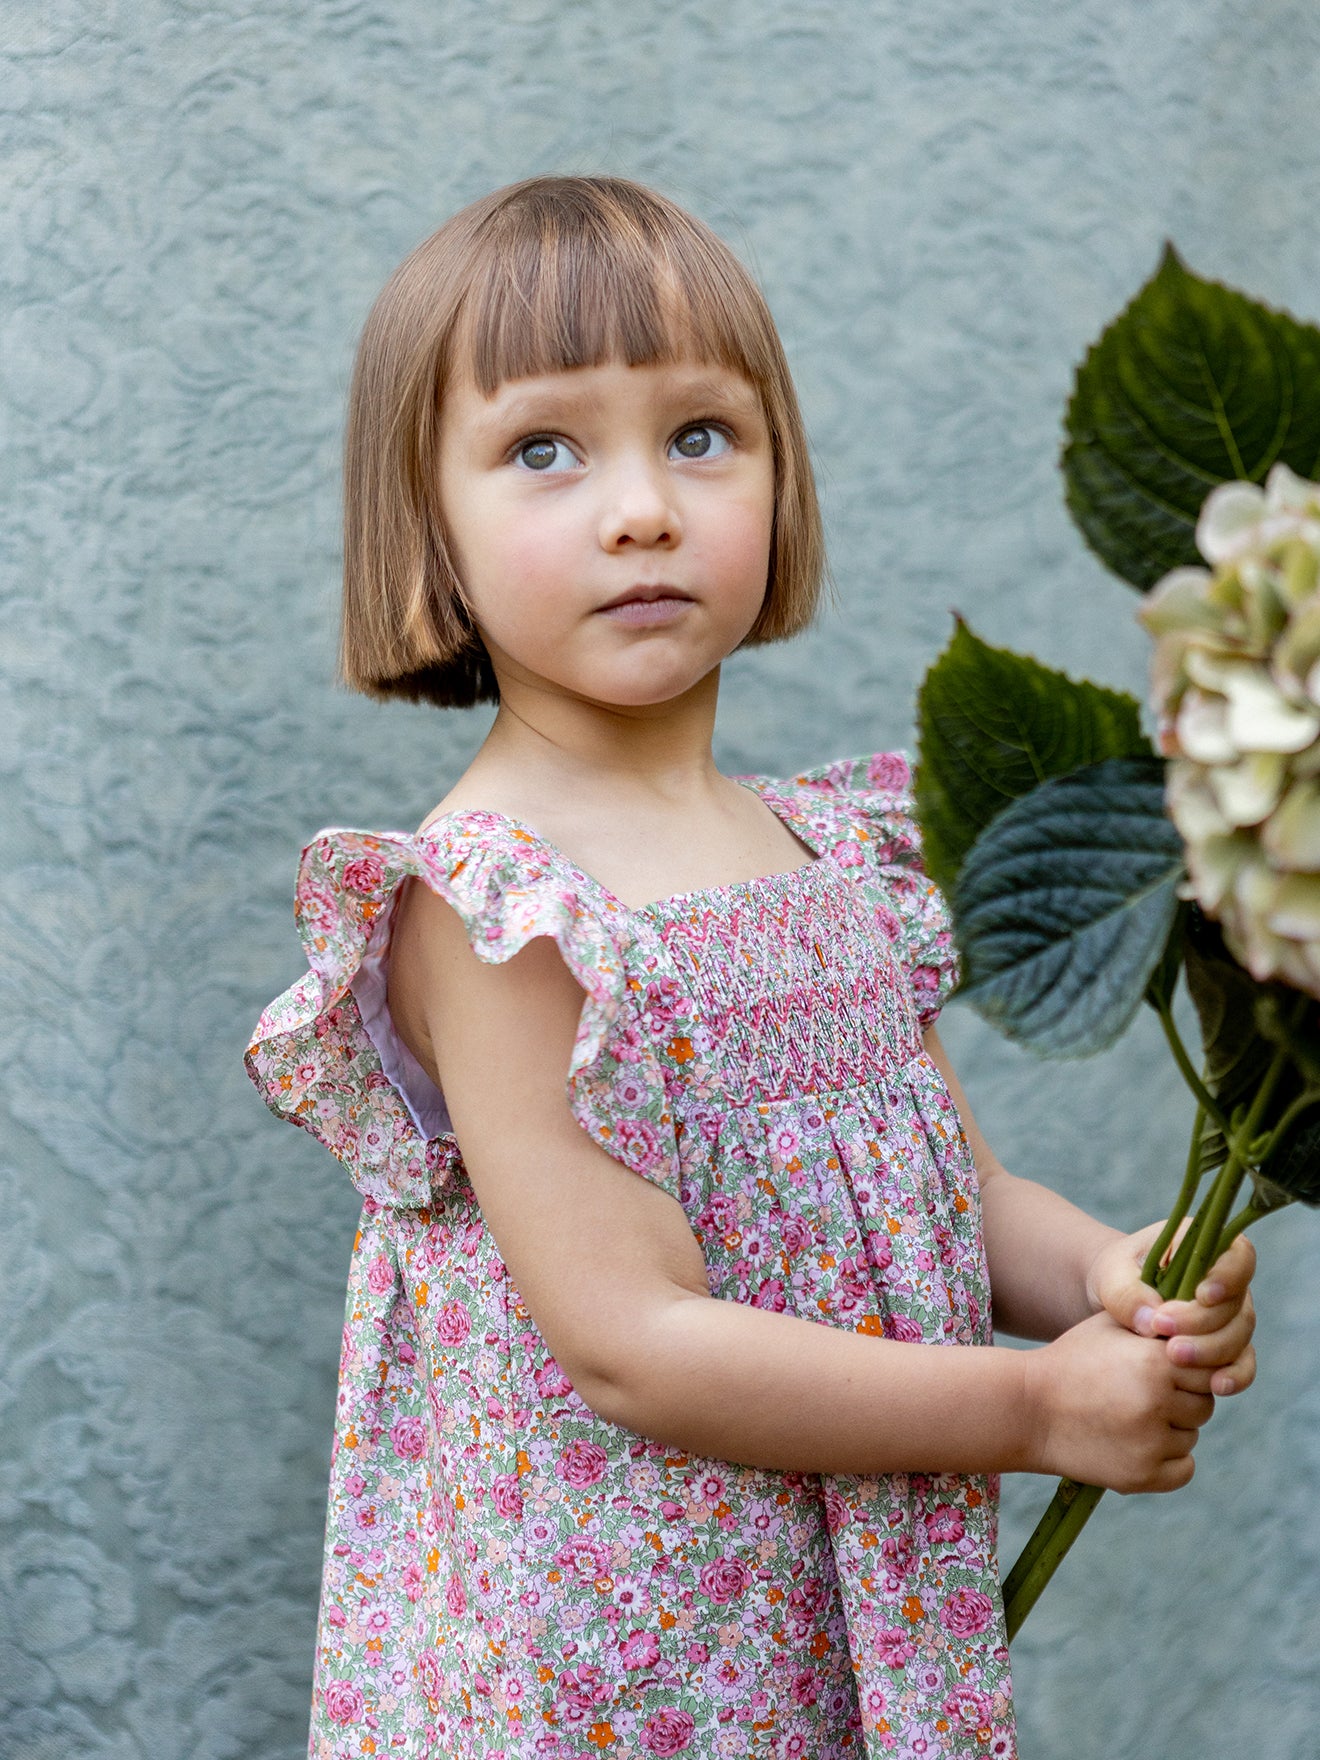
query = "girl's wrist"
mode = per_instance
[{"x": 1039, "y": 1409}]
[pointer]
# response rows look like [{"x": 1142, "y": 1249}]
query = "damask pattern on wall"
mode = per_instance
[{"x": 200, "y": 199}]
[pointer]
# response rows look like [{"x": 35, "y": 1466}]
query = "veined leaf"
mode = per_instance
[
  {"x": 1064, "y": 905},
  {"x": 993, "y": 724},
  {"x": 1193, "y": 384}
]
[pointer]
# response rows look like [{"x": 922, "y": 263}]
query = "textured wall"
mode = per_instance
[{"x": 944, "y": 203}]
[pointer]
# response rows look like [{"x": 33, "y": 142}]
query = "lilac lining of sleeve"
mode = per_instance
[{"x": 419, "y": 1093}]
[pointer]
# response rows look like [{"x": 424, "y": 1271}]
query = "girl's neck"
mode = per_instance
[{"x": 547, "y": 752}]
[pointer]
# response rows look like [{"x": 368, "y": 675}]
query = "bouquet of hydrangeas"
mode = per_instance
[{"x": 1089, "y": 868}]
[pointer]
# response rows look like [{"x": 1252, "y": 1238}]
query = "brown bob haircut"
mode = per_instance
[{"x": 544, "y": 275}]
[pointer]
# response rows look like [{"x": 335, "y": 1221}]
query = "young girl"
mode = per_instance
[{"x": 651, "y": 1440}]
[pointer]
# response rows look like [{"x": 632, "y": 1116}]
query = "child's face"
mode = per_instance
[{"x": 567, "y": 493}]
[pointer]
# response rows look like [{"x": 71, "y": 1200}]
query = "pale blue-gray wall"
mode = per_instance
[{"x": 944, "y": 202}]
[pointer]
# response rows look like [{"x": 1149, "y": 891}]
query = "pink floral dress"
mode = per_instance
[{"x": 508, "y": 1575}]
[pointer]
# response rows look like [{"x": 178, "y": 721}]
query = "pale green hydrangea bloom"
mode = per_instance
[{"x": 1236, "y": 685}]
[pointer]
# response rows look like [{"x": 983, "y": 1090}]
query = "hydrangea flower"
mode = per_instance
[{"x": 1235, "y": 683}]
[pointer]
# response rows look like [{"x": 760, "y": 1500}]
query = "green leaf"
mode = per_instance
[
  {"x": 991, "y": 725},
  {"x": 1236, "y": 1053},
  {"x": 1064, "y": 906},
  {"x": 1192, "y": 385},
  {"x": 1291, "y": 1172}
]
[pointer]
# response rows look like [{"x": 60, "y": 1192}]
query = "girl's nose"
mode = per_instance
[{"x": 638, "y": 510}]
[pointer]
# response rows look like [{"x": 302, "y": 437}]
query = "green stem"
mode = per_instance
[
  {"x": 1214, "y": 1211},
  {"x": 1067, "y": 1515},
  {"x": 1182, "y": 1204},
  {"x": 1209, "y": 1235},
  {"x": 1204, "y": 1098},
  {"x": 1307, "y": 1098},
  {"x": 1250, "y": 1212},
  {"x": 1170, "y": 1279}
]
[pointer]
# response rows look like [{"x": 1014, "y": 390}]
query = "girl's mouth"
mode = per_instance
[{"x": 644, "y": 606}]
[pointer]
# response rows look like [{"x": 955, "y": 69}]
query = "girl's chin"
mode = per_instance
[{"x": 634, "y": 686}]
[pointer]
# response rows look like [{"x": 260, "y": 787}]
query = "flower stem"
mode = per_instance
[
  {"x": 1182, "y": 1204},
  {"x": 1250, "y": 1212},
  {"x": 1063, "y": 1521},
  {"x": 1204, "y": 1098},
  {"x": 1213, "y": 1214}
]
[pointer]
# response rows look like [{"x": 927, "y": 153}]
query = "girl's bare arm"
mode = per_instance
[{"x": 614, "y": 1278}]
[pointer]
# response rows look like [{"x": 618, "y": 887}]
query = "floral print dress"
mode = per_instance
[{"x": 508, "y": 1576}]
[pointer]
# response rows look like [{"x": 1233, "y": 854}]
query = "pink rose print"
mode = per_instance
[
  {"x": 637, "y": 1142},
  {"x": 795, "y": 1234},
  {"x": 408, "y": 1438},
  {"x": 890, "y": 926},
  {"x": 848, "y": 854},
  {"x": 889, "y": 771},
  {"x": 344, "y": 1702},
  {"x": 725, "y": 1579},
  {"x": 894, "y": 1647},
  {"x": 582, "y": 1464},
  {"x": 902, "y": 1327},
  {"x": 453, "y": 1323},
  {"x": 837, "y": 1513},
  {"x": 584, "y": 1688},
  {"x": 317, "y": 909},
  {"x": 586, "y": 1559},
  {"x": 551, "y": 1381},
  {"x": 967, "y": 1612},
  {"x": 667, "y": 1732},
  {"x": 507, "y": 1495},
  {"x": 639, "y": 1650},
  {"x": 805, "y": 1688},
  {"x": 428, "y": 1673},
  {"x": 380, "y": 1275},
  {"x": 365, "y": 874},
  {"x": 967, "y": 1706},
  {"x": 945, "y": 1525},
  {"x": 456, "y": 1597},
  {"x": 720, "y": 1215}
]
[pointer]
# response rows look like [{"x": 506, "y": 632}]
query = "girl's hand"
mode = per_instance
[
  {"x": 1111, "y": 1409},
  {"x": 1210, "y": 1336}
]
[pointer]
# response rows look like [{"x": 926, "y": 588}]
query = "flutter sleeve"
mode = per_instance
[
  {"x": 876, "y": 793},
  {"x": 325, "y": 1056}
]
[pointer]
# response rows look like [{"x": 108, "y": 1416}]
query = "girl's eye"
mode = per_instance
[
  {"x": 699, "y": 441},
  {"x": 544, "y": 453}
]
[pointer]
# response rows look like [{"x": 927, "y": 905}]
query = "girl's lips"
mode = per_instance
[{"x": 644, "y": 612}]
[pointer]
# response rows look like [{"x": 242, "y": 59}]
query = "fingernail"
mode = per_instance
[
  {"x": 1183, "y": 1351},
  {"x": 1223, "y": 1385},
  {"x": 1210, "y": 1293},
  {"x": 1142, "y": 1321},
  {"x": 1165, "y": 1325}
]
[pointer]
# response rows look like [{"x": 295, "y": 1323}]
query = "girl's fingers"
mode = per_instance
[
  {"x": 1188, "y": 1411},
  {"x": 1213, "y": 1349},
  {"x": 1230, "y": 1274},
  {"x": 1220, "y": 1379},
  {"x": 1200, "y": 1319},
  {"x": 1237, "y": 1376}
]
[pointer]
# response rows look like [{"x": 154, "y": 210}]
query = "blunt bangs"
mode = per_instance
[{"x": 564, "y": 283}]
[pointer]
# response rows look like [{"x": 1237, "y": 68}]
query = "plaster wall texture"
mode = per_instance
[{"x": 944, "y": 204}]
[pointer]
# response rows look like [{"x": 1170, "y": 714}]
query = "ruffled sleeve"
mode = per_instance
[
  {"x": 875, "y": 793},
  {"x": 325, "y": 1057}
]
